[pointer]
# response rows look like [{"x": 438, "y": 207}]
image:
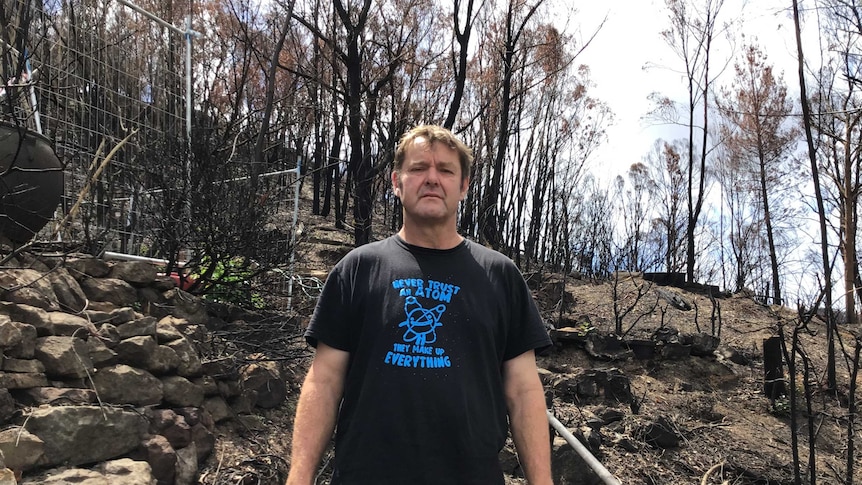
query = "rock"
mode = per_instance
[
  {"x": 55, "y": 396},
  {"x": 110, "y": 290},
  {"x": 172, "y": 426},
  {"x": 606, "y": 347},
  {"x": 675, "y": 350},
  {"x": 617, "y": 387},
  {"x": 163, "y": 282},
  {"x": 117, "y": 472},
  {"x": 140, "y": 327},
  {"x": 26, "y": 347},
  {"x": 109, "y": 335},
  {"x": 162, "y": 459},
  {"x": 167, "y": 331},
  {"x": 163, "y": 361},
  {"x": 100, "y": 354},
  {"x": 10, "y": 334},
  {"x": 666, "y": 335},
  {"x": 218, "y": 408},
  {"x": 32, "y": 366},
  {"x": 611, "y": 384},
  {"x": 88, "y": 266},
  {"x": 68, "y": 476},
  {"x": 180, "y": 392},
  {"x": 138, "y": 273},
  {"x": 121, "y": 384},
  {"x": 702, "y": 344},
  {"x": 7, "y": 406},
  {"x": 660, "y": 433},
  {"x": 154, "y": 302},
  {"x": 208, "y": 384},
  {"x": 27, "y": 287},
  {"x": 7, "y": 477},
  {"x": 69, "y": 325},
  {"x": 136, "y": 351},
  {"x": 265, "y": 379},
  {"x": 34, "y": 316},
  {"x": 642, "y": 349},
  {"x": 625, "y": 443},
  {"x": 204, "y": 441},
  {"x": 224, "y": 368},
  {"x": 75, "y": 435},
  {"x": 22, "y": 450},
  {"x": 116, "y": 316},
  {"x": 569, "y": 468},
  {"x": 128, "y": 472},
  {"x": 674, "y": 299},
  {"x": 733, "y": 355},
  {"x": 187, "y": 465},
  {"x": 70, "y": 296},
  {"x": 228, "y": 389},
  {"x": 609, "y": 415},
  {"x": 64, "y": 356},
  {"x": 190, "y": 362},
  {"x": 14, "y": 380},
  {"x": 187, "y": 306}
]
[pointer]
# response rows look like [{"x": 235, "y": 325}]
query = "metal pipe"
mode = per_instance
[
  {"x": 582, "y": 451},
  {"x": 156, "y": 19},
  {"x": 188, "y": 34},
  {"x": 188, "y": 160},
  {"x": 33, "y": 103},
  {"x": 293, "y": 236},
  {"x": 132, "y": 257}
]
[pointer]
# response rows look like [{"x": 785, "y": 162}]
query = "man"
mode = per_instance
[{"x": 425, "y": 346}]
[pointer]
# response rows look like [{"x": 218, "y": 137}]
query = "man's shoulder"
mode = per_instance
[
  {"x": 488, "y": 255},
  {"x": 372, "y": 249}
]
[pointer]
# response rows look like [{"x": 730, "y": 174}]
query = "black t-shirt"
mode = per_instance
[{"x": 427, "y": 331}]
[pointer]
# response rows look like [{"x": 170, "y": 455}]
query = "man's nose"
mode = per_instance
[{"x": 432, "y": 176}]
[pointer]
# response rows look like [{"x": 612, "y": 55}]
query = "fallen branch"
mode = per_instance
[{"x": 712, "y": 471}]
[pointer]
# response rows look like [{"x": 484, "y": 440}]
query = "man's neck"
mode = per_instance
[{"x": 431, "y": 237}]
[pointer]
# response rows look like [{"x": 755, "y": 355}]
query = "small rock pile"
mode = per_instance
[{"x": 101, "y": 375}]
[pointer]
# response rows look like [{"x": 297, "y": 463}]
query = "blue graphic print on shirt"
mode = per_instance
[{"x": 420, "y": 324}]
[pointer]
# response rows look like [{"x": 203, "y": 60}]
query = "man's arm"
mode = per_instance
[
  {"x": 316, "y": 412},
  {"x": 525, "y": 399}
]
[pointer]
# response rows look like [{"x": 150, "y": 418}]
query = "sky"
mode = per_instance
[{"x": 628, "y": 60}]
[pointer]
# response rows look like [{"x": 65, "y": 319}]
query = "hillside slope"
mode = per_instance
[{"x": 678, "y": 418}]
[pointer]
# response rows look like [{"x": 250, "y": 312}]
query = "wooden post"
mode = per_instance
[{"x": 773, "y": 368}]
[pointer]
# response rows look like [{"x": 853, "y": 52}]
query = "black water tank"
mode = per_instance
[{"x": 31, "y": 182}]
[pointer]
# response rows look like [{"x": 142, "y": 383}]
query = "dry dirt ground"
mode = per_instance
[{"x": 717, "y": 407}]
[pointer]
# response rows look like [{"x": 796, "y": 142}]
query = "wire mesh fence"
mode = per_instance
[
  {"x": 106, "y": 85},
  {"x": 104, "y": 75}
]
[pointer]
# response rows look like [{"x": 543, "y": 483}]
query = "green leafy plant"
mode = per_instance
[
  {"x": 584, "y": 328},
  {"x": 228, "y": 281}
]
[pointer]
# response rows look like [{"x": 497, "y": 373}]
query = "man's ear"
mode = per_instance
[
  {"x": 465, "y": 185},
  {"x": 396, "y": 184}
]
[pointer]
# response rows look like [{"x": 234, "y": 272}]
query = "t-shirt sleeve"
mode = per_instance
[
  {"x": 526, "y": 330},
  {"x": 329, "y": 321}
]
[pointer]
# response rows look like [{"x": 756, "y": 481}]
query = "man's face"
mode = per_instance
[{"x": 429, "y": 183}]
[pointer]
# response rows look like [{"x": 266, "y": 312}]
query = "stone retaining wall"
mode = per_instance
[{"x": 101, "y": 370}]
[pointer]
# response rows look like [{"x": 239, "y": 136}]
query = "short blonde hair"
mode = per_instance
[{"x": 434, "y": 134}]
